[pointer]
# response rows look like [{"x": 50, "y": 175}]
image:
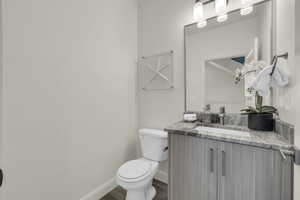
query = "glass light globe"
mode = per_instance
[
  {"x": 198, "y": 11},
  {"x": 222, "y": 18},
  {"x": 201, "y": 24}
]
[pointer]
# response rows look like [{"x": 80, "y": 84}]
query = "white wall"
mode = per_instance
[
  {"x": 222, "y": 92},
  {"x": 69, "y": 95},
  {"x": 297, "y": 27},
  {"x": 297, "y": 107},
  {"x": 160, "y": 30},
  {"x": 287, "y": 99},
  {"x": 1, "y": 91},
  {"x": 297, "y": 138}
]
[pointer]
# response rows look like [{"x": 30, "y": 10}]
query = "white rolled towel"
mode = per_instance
[{"x": 264, "y": 81}]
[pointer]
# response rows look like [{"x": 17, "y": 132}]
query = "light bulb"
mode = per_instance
[
  {"x": 222, "y": 18},
  {"x": 246, "y": 2},
  {"x": 198, "y": 11},
  {"x": 220, "y": 6},
  {"x": 199, "y": 14},
  {"x": 201, "y": 24}
]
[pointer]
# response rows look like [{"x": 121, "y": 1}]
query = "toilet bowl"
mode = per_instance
[{"x": 136, "y": 176}]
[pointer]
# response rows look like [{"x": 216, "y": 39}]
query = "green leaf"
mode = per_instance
[
  {"x": 269, "y": 109},
  {"x": 250, "y": 109}
]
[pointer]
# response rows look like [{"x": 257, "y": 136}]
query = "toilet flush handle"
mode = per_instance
[{"x": 166, "y": 149}]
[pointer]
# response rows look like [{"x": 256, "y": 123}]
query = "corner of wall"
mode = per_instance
[
  {"x": 100, "y": 191},
  {"x": 162, "y": 176}
]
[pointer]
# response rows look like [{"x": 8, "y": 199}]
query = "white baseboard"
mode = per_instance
[
  {"x": 105, "y": 188},
  {"x": 162, "y": 176},
  {"x": 101, "y": 191}
]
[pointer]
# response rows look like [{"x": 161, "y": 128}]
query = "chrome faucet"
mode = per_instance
[{"x": 222, "y": 115}]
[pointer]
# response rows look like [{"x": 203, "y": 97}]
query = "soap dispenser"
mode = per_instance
[{"x": 207, "y": 114}]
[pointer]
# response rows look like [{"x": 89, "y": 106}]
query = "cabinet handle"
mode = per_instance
[
  {"x": 211, "y": 150},
  {"x": 223, "y": 163}
]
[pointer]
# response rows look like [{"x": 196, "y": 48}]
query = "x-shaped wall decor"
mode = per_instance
[{"x": 157, "y": 65}]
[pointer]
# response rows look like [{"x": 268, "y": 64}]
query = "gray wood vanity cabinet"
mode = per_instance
[{"x": 203, "y": 169}]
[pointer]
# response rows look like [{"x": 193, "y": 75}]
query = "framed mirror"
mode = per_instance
[{"x": 217, "y": 54}]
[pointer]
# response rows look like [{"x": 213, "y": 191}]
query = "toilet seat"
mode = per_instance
[{"x": 135, "y": 170}]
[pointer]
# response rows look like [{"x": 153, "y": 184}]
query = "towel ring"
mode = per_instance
[{"x": 275, "y": 59}]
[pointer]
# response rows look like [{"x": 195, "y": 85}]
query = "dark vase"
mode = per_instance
[{"x": 261, "y": 121}]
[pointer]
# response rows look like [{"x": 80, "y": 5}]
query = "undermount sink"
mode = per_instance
[{"x": 223, "y": 131}]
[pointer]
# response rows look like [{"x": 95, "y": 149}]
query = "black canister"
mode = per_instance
[{"x": 261, "y": 121}]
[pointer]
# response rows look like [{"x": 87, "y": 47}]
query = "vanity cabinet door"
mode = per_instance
[
  {"x": 251, "y": 173},
  {"x": 201, "y": 169},
  {"x": 244, "y": 173},
  {"x": 176, "y": 166},
  {"x": 283, "y": 177},
  {"x": 193, "y": 168}
]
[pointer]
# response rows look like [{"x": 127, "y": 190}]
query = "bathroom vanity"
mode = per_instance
[
  {"x": 211, "y": 165},
  {"x": 220, "y": 158}
]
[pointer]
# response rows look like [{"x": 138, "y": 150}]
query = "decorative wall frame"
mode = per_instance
[{"x": 157, "y": 72}]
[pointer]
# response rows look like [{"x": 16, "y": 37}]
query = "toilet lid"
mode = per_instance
[{"x": 134, "y": 169}]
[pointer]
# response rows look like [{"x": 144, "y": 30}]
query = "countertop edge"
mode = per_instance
[{"x": 189, "y": 132}]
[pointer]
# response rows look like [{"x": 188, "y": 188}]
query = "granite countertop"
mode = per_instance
[{"x": 270, "y": 140}]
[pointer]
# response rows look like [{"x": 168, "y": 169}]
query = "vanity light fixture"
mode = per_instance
[
  {"x": 221, "y": 6},
  {"x": 220, "y": 9},
  {"x": 247, "y": 7},
  {"x": 199, "y": 14}
]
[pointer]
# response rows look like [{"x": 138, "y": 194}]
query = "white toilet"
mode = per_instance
[{"x": 136, "y": 176}]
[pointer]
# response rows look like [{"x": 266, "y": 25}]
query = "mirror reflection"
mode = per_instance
[{"x": 223, "y": 58}]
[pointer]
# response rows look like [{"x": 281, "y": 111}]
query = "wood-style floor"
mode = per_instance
[{"x": 120, "y": 194}]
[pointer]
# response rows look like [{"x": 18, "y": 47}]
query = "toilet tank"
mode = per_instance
[{"x": 154, "y": 144}]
